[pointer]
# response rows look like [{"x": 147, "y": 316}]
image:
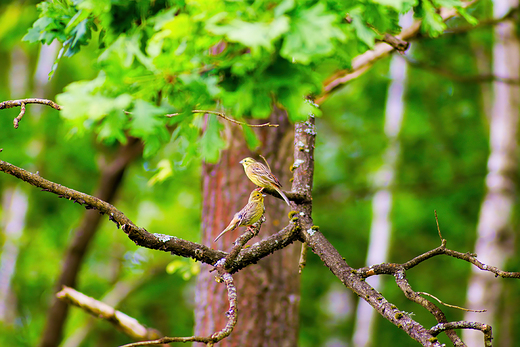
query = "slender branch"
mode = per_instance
[
  {"x": 448, "y": 305},
  {"x": 232, "y": 315},
  {"x": 486, "y": 329},
  {"x": 22, "y": 102},
  {"x": 404, "y": 285},
  {"x": 484, "y": 23},
  {"x": 223, "y": 115},
  {"x": 363, "y": 62},
  {"x": 391, "y": 268},
  {"x": 460, "y": 78},
  {"x": 240, "y": 242},
  {"x": 123, "y": 322}
]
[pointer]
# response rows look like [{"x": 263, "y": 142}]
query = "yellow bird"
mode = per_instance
[
  {"x": 249, "y": 215},
  {"x": 262, "y": 176}
]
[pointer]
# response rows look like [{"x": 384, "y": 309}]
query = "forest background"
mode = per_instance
[{"x": 435, "y": 158}]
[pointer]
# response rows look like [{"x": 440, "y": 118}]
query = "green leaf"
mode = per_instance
[
  {"x": 363, "y": 32},
  {"x": 251, "y": 139},
  {"x": 312, "y": 34},
  {"x": 399, "y": 5},
  {"x": 254, "y": 35},
  {"x": 432, "y": 21},
  {"x": 164, "y": 171},
  {"x": 469, "y": 18},
  {"x": 284, "y": 7},
  {"x": 211, "y": 144},
  {"x": 144, "y": 122},
  {"x": 82, "y": 100}
]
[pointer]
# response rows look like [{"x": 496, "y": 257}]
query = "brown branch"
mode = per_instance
[
  {"x": 128, "y": 325},
  {"x": 484, "y": 23},
  {"x": 241, "y": 241},
  {"x": 391, "y": 268},
  {"x": 448, "y": 305},
  {"x": 460, "y": 78},
  {"x": 363, "y": 62},
  {"x": 486, "y": 329},
  {"x": 232, "y": 315},
  {"x": 404, "y": 285},
  {"x": 110, "y": 181},
  {"x": 22, "y": 102},
  {"x": 223, "y": 115},
  {"x": 166, "y": 243}
]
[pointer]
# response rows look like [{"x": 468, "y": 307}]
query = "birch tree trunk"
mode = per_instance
[
  {"x": 268, "y": 292},
  {"x": 494, "y": 243},
  {"x": 381, "y": 228},
  {"x": 14, "y": 206}
]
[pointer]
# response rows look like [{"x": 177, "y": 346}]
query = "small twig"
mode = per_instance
[
  {"x": 448, "y": 305},
  {"x": 240, "y": 242},
  {"x": 265, "y": 160},
  {"x": 484, "y": 78},
  {"x": 22, "y": 102},
  {"x": 404, "y": 285},
  {"x": 232, "y": 315},
  {"x": 438, "y": 228},
  {"x": 399, "y": 45},
  {"x": 223, "y": 115},
  {"x": 125, "y": 323},
  {"x": 303, "y": 258},
  {"x": 486, "y": 329}
]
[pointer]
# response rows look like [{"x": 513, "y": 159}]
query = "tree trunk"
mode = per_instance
[
  {"x": 268, "y": 292},
  {"x": 494, "y": 230},
  {"x": 109, "y": 183}
]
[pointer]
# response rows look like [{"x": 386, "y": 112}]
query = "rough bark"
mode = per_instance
[
  {"x": 494, "y": 230},
  {"x": 268, "y": 292},
  {"x": 109, "y": 183}
]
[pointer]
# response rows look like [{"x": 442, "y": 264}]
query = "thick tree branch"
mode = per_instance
[{"x": 165, "y": 243}]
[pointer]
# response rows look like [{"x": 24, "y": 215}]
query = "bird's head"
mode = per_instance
[
  {"x": 247, "y": 161},
  {"x": 256, "y": 195}
]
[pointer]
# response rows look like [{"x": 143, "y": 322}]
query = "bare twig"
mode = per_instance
[
  {"x": 240, "y": 242},
  {"x": 223, "y": 115},
  {"x": 438, "y": 228},
  {"x": 486, "y": 329},
  {"x": 457, "y": 77},
  {"x": 165, "y": 243},
  {"x": 391, "y": 268},
  {"x": 363, "y": 62},
  {"x": 265, "y": 161},
  {"x": 448, "y": 305},
  {"x": 22, "y": 102},
  {"x": 123, "y": 322},
  {"x": 232, "y": 315},
  {"x": 303, "y": 258},
  {"x": 404, "y": 285}
]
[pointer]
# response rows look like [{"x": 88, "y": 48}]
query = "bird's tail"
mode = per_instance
[
  {"x": 231, "y": 226},
  {"x": 283, "y": 196}
]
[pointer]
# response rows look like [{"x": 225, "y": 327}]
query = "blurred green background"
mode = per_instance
[{"x": 442, "y": 166}]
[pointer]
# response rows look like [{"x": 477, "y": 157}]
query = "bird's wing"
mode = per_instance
[{"x": 262, "y": 171}]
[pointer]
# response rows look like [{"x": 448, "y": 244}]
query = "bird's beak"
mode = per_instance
[
  {"x": 264, "y": 195},
  {"x": 241, "y": 162}
]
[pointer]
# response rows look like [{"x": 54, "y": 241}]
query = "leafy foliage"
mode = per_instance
[{"x": 181, "y": 55}]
